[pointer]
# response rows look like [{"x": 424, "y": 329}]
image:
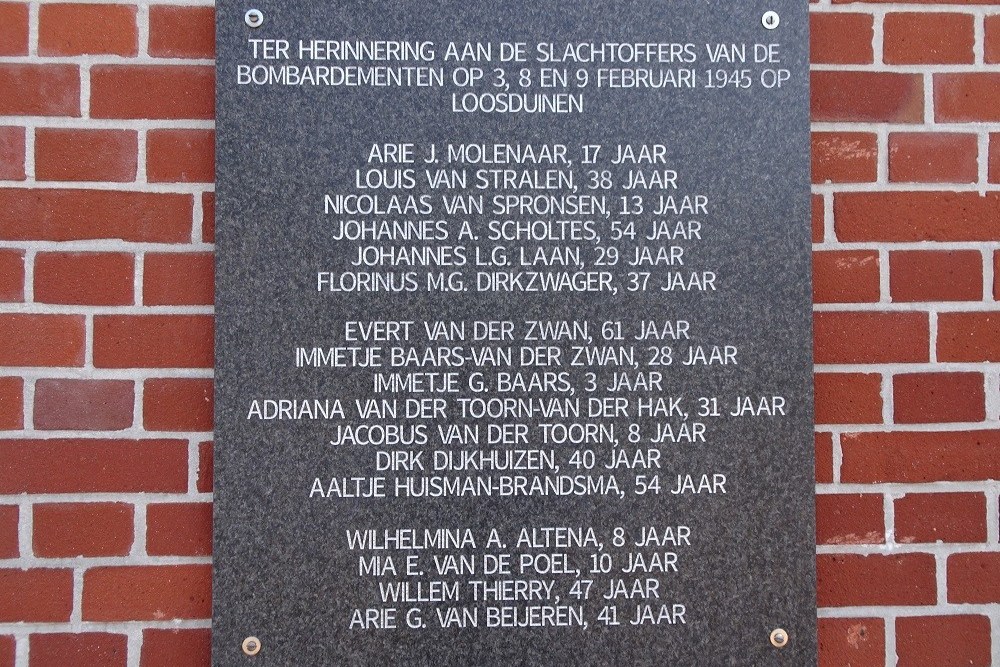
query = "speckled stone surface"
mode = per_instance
[{"x": 283, "y": 571}]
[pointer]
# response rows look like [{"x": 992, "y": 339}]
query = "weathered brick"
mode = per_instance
[
  {"x": 181, "y": 32},
  {"x": 39, "y": 90},
  {"x": 871, "y": 337},
  {"x": 841, "y": 38},
  {"x": 147, "y": 593},
  {"x": 74, "y": 29},
  {"x": 917, "y": 216},
  {"x": 857, "y": 642},
  {"x": 171, "y": 648},
  {"x": 846, "y": 276},
  {"x": 944, "y": 517},
  {"x": 974, "y": 578},
  {"x": 179, "y": 279},
  {"x": 11, "y": 403},
  {"x": 852, "y": 580},
  {"x": 933, "y": 157},
  {"x": 86, "y": 649},
  {"x": 41, "y": 340},
  {"x": 967, "y": 97},
  {"x": 9, "y": 540},
  {"x": 936, "y": 275},
  {"x": 160, "y": 92},
  {"x": 848, "y": 398},
  {"x": 178, "y": 404},
  {"x": 37, "y": 595},
  {"x": 85, "y": 278},
  {"x": 844, "y": 157},
  {"x": 180, "y": 156},
  {"x": 11, "y": 276},
  {"x": 65, "y": 530},
  {"x": 205, "y": 467},
  {"x": 927, "y": 398},
  {"x": 928, "y": 38},
  {"x": 867, "y": 97},
  {"x": 943, "y": 641},
  {"x": 93, "y": 466},
  {"x": 968, "y": 336},
  {"x": 13, "y": 29},
  {"x": 63, "y": 154},
  {"x": 920, "y": 457},
  {"x": 83, "y": 405},
  {"x": 153, "y": 341},
  {"x": 849, "y": 519},
  {"x": 72, "y": 215},
  {"x": 12, "y": 150},
  {"x": 179, "y": 529}
]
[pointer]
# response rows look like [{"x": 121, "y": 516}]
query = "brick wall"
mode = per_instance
[{"x": 106, "y": 233}]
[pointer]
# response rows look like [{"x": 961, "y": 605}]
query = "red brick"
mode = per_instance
[
  {"x": 8, "y": 651},
  {"x": 936, "y": 275},
  {"x": 170, "y": 648},
  {"x": 178, "y": 404},
  {"x": 79, "y": 29},
  {"x": 917, "y": 216},
  {"x": 93, "y": 466},
  {"x": 13, "y": 29},
  {"x": 85, "y": 155},
  {"x": 968, "y": 336},
  {"x": 929, "y": 398},
  {"x": 817, "y": 219},
  {"x": 848, "y": 398},
  {"x": 85, "y": 278},
  {"x": 871, "y": 337},
  {"x": 64, "y": 530},
  {"x": 41, "y": 340},
  {"x": 12, "y": 150},
  {"x": 181, "y": 32},
  {"x": 933, "y": 157},
  {"x": 87, "y": 649},
  {"x": 844, "y": 157},
  {"x": 852, "y": 580},
  {"x": 208, "y": 220},
  {"x": 841, "y": 38},
  {"x": 39, "y": 90},
  {"x": 180, "y": 156},
  {"x": 996, "y": 275},
  {"x": 928, "y": 38},
  {"x": 867, "y": 96},
  {"x": 11, "y": 276},
  {"x": 849, "y": 519},
  {"x": 205, "y": 467},
  {"x": 993, "y": 163},
  {"x": 11, "y": 403},
  {"x": 945, "y": 517},
  {"x": 824, "y": 458},
  {"x": 920, "y": 457},
  {"x": 36, "y": 596},
  {"x": 179, "y": 279},
  {"x": 71, "y": 215},
  {"x": 943, "y": 641},
  {"x": 179, "y": 529},
  {"x": 83, "y": 405},
  {"x": 992, "y": 50},
  {"x": 846, "y": 276},
  {"x": 153, "y": 341},
  {"x": 967, "y": 97},
  {"x": 857, "y": 642},
  {"x": 147, "y": 593},
  {"x": 974, "y": 578},
  {"x": 152, "y": 91},
  {"x": 9, "y": 543}
]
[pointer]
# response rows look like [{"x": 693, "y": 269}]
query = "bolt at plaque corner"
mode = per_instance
[
  {"x": 251, "y": 646},
  {"x": 254, "y": 18}
]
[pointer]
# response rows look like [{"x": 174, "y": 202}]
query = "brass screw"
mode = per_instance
[
  {"x": 251, "y": 646},
  {"x": 779, "y": 638}
]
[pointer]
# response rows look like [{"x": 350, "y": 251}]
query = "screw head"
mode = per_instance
[
  {"x": 251, "y": 646},
  {"x": 770, "y": 20},
  {"x": 254, "y": 18},
  {"x": 779, "y": 638}
]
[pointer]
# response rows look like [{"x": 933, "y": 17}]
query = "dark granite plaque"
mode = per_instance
[{"x": 513, "y": 356}]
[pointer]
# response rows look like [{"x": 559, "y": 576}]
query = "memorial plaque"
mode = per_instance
[{"x": 513, "y": 355}]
